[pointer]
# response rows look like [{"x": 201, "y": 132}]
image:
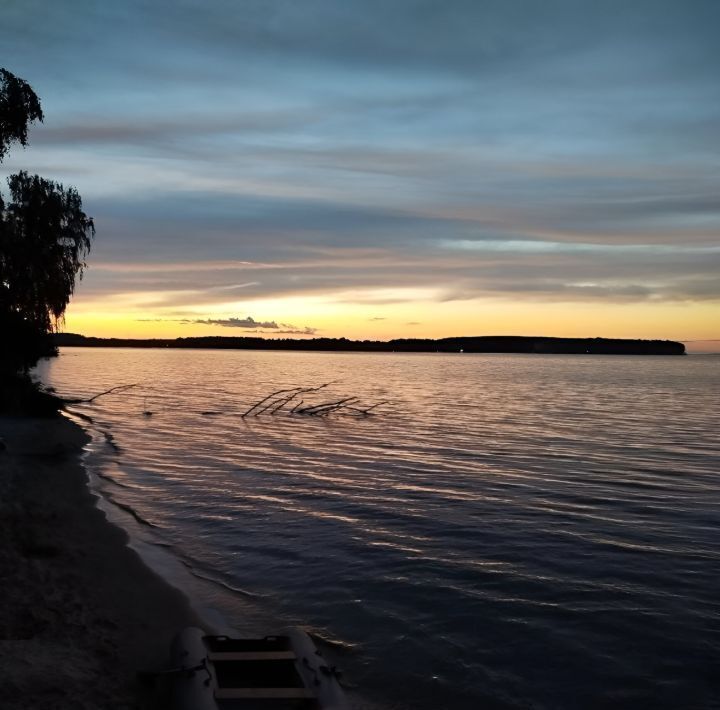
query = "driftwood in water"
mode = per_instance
[
  {"x": 293, "y": 401},
  {"x": 279, "y": 399},
  {"x": 290, "y": 402},
  {"x": 80, "y": 400}
]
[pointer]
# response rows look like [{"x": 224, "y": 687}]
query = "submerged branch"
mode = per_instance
[
  {"x": 275, "y": 402},
  {"x": 281, "y": 400},
  {"x": 265, "y": 399},
  {"x": 318, "y": 409},
  {"x": 80, "y": 400},
  {"x": 367, "y": 410},
  {"x": 291, "y": 401}
]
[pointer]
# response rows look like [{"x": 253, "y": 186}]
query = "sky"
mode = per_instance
[{"x": 380, "y": 169}]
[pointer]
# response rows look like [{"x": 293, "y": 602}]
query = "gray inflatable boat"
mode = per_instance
[{"x": 272, "y": 673}]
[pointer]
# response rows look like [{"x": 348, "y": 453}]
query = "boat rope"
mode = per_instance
[{"x": 180, "y": 670}]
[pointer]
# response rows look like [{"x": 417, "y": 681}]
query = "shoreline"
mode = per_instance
[
  {"x": 81, "y": 612},
  {"x": 486, "y": 344}
]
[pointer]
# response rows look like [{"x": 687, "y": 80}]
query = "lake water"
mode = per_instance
[{"x": 509, "y": 531}]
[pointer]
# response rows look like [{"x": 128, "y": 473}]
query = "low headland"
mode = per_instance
[
  {"x": 81, "y": 614},
  {"x": 478, "y": 344}
]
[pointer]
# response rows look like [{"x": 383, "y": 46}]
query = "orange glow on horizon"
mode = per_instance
[{"x": 408, "y": 319}]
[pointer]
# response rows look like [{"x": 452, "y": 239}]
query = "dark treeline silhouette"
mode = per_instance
[
  {"x": 44, "y": 239},
  {"x": 480, "y": 344}
]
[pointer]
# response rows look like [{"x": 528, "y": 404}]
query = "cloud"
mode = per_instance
[
  {"x": 367, "y": 152},
  {"x": 521, "y": 269},
  {"x": 251, "y": 325},
  {"x": 235, "y": 322},
  {"x": 299, "y": 331}
]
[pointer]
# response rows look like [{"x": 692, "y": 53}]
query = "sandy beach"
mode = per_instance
[{"x": 80, "y": 613}]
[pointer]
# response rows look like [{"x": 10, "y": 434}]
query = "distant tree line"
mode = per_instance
[{"x": 479, "y": 344}]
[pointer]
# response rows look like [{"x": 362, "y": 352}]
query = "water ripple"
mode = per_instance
[{"x": 514, "y": 532}]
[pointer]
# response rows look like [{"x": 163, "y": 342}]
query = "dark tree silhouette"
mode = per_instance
[
  {"x": 44, "y": 239},
  {"x": 19, "y": 107}
]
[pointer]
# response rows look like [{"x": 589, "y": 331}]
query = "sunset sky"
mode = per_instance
[{"x": 383, "y": 168}]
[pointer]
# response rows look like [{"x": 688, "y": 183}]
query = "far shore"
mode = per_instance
[
  {"x": 474, "y": 344},
  {"x": 81, "y": 614}
]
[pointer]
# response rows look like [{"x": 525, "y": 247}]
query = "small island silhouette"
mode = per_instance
[{"x": 471, "y": 344}]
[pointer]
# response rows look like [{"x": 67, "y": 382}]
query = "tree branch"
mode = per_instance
[
  {"x": 78, "y": 400},
  {"x": 278, "y": 401}
]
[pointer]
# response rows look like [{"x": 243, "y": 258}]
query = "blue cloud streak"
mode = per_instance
[{"x": 568, "y": 149}]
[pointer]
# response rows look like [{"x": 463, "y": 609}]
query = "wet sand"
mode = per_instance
[{"x": 80, "y": 613}]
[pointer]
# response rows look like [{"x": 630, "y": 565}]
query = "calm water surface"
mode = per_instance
[{"x": 508, "y": 532}]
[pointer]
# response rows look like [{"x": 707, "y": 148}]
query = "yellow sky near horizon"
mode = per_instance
[{"x": 329, "y": 317}]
